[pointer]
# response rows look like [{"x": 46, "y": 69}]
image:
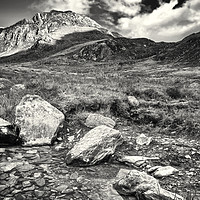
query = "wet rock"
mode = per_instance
[
  {"x": 9, "y": 134},
  {"x": 94, "y": 120},
  {"x": 38, "y": 120},
  {"x": 133, "y": 101},
  {"x": 96, "y": 145},
  {"x": 142, "y": 139},
  {"x": 164, "y": 171},
  {"x": 136, "y": 160},
  {"x": 133, "y": 182}
]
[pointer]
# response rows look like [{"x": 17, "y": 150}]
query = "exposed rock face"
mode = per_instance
[
  {"x": 38, "y": 120},
  {"x": 96, "y": 145},
  {"x": 100, "y": 50},
  {"x": 94, "y": 120},
  {"x": 133, "y": 182},
  {"x": 44, "y": 27},
  {"x": 9, "y": 134}
]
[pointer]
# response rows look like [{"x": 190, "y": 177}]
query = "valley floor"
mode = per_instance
[{"x": 169, "y": 112}]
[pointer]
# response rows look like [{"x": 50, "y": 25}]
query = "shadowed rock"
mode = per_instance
[
  {"x": 96, "y": 145},
  {"x": 38, "y": 120},
  {"x": 9, "y": 134}
]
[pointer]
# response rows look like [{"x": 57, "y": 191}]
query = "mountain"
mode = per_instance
[
  {"x": 75, "y": 36},
  {"x": 45, "y": 28},
  {"x": 186, "y": 50}
]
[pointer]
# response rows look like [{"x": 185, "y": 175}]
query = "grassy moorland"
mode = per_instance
[{"x": 168, "y": 93}]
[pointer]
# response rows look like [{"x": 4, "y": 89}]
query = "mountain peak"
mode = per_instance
[{"x": 45, "y": 26}]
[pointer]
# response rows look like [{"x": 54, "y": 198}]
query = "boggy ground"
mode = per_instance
[{"x": 169, "y": 98}]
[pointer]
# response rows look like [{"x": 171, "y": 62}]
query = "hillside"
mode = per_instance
[{"x": 186, "y": 50}]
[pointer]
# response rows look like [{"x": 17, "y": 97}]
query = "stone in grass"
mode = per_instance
[
  {"x": 38, "y": 120},
  {"x": 141, "y": 185},
  {"x": 94, "y": 120},
  {"x": 133, "y": 101},
  {"x": 136, "y": 160},
  {"x": 142, "y": 139},
  {"x": 96, "y": 145},
  {"x": 163, "y": 171}
]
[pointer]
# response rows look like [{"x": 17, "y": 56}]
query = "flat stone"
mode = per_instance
[
  {"x": 8, "y": 166},
  {"x": 2, "y": 187},
  {"x": 37, "y": 175},
  {"x": 2, "y": 150},
  {"x": 40, "y": 182},
  {"x": 61, "y": 188},
  {"x": 32, "y": 152},
  {"x": 39, "y": 193},
  {"x": 94, "y": 120},
  {"x": 26, "y": 167},
  {"x": 137, "y": 160},
  {"x": 20, "y": 197},
  {"x": 26, "y": 184},
  {"x": 3, "y": 176},
  {"x": 4, "y": 123},
  {"x": 29, "y": 188},
  {"x": 74, "y": 175},
  {"x": 16, "y": 191},
  {"x": 164, "y": 171}
]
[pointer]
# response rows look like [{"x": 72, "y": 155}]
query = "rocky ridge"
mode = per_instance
[{"x": 44, "y": 27}]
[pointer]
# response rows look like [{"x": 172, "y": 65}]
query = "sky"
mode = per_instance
[{"x": 159, "y": 20}]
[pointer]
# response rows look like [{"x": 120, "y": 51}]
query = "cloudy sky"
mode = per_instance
[{"x": 159, "y": 20}]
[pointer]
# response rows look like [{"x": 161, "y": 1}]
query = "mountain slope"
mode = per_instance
[
  {"x": 47, "y": 28},
  {"x": 187, "y": 50}
]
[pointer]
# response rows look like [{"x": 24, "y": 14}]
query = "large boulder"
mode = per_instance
[
  {"x": 94, "y": 120},
  {"x": 96, "y": 145},
  {"x": 9, "y": 134},
  {"x": 38, "y": 120},
  {"x": 142, "y": 185}
]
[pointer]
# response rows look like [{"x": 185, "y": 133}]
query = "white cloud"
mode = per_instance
[
  {"x": 79, "y": 6},
  {"x": 164, "y": 23},
  {"x": 127, "y": 7}
]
